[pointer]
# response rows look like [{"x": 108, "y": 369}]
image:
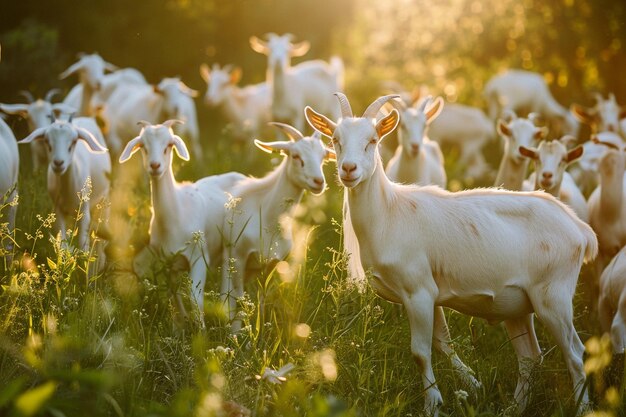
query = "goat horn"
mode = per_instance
[
  {"x": 50, "y": 94},
  {"x": 291, "y": 132},
  {"x": 27, "y": 95},
  {"x": 143, "y": 123},
  {"x": 372, "y": 110},
  {"x": 535, "y": 118},
  {"x": 508, "y": 116},
  {"x": 172, "y": 122},
  {"x": 346, "y": 110}
]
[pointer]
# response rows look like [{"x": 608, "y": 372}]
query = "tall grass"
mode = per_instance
[{"x": 114, "y": 343}]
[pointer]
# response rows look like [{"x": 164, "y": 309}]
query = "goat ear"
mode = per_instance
[
  {"x": 300, "y": 48},
  {"x": 330, "y": 154},
  {"x": 530, "y": 153},
  {"x": 129, "y": 150},
  {"x": 235, "y": 75},
  {"x": 319, "y": 122},
  {"x": 181, "y": 148},
  {"x": 258, "y": 45},
  {"x": 71, "y": 70},
  {"x": 574, "y": 154},
  {"x": 503, "y": 128},
  {"x": 205, "y": 72},
  {"x": 90, "y": 139},
  {"x": 541, "y": 133},
  {"x": 281, "y": 146},
  {"x": 386, "y": 125},
  {"x": 582, "y": 114},
  {"x": 595, "y": 139},
  {"x": 35, "y": 135},
  {"x": 19, "y": 109},
  {"x": 435, "y": 108},
  {"x": 110, "y": 67}
]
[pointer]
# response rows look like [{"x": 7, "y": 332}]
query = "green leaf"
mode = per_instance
[
  {"x": 51, "y": 264},
  {"x": 32, "y": 401},
  {"x": 10, "y": 391}
]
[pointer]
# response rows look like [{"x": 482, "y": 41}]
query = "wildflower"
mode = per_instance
[{"x": 461, "y": 395}]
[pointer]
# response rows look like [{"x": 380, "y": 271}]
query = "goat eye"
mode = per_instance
[{"x": 298, "y": 158}]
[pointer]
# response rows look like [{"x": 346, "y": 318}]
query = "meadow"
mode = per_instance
[{"x": 115, "y": 343}]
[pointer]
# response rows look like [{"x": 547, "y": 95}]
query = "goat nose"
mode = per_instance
[
  {"x": 547, "y": 175},
  {"x": 611, "y": 128},
  {"x": 348, "y": 167},
  {"x": 58, "y": 162},
  {"x": 155, "y": 165},
  {"x": 318, "y": 181}
]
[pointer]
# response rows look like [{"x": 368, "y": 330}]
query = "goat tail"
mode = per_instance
[
  {"x": 356, "y": 273},
  {"x": 591, "y": 249},
  {"x": 338, "y": 70}
]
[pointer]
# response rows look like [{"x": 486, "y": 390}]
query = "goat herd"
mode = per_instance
[{"x": 501, "y": 254}]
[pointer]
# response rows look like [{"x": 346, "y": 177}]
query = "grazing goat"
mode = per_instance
[
  {"x": 180, "y": 211},
  {"x": 612, "y": 301},
  {"x": 37, "y": 113},
  {"x": 518, "y": 91},
  {"x": 90, "y": 69},
  {"x": 516, "y": 132},
  {"x": 605, "y": 116},
  {"x": 76, "y": 157},
  {"x": 291, "y": 88},
  {"x": 490, "y": 253},
  {"x": 418, "y": 160},
  {"x": 551, "y": 158},
  {"x": 9, "y": 168},
  {"x": 170, "y": 99},
  {"x": 258, "y": 228},
  {"x": 247, "y": 109}
]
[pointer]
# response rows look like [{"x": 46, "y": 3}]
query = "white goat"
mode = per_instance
[
  {"x": 607, "y": 203},
  {"x": 181, "y": 210},
  {"x": 9, "y": 168},
  {"x": 258, "y": 228},
  {"x": 490, "y": 253},
  {"x": 247, "y": 108},
  {"x": 38, "y": 113},
  {"x": 170, "y": 99},
  {"x": 551, "y": 158},
  {"x": 605, "y": 116},
  {"x": 516, "y": 132},
  {"x": 418, "y": 160},
  {"x": 90, "y": 69},
  {"x": 612, "y": 301},
  {"x": 311, "y": 82},
  {"x": 518, "y": 91},
  {"x": 465, "y": 127},
  {"x": 76, "y": 155},
  {"x": 468, "y": 128}
]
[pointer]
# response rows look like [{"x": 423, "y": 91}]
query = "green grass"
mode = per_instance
[{"x": 114, "y": 344}]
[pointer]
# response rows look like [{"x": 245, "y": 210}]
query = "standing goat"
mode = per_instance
[
  {"x": 490, "y": 253},
  {"x": 9, "y": 168},
  {"x": 605, "y": 116},
  {"x": 519, "y": 91},
  {"x": 259, "y": 227},
  {"x": 418, "y": 160},
  {"x": 516, "y": 132},
  {"x": 612, "y": 301},
  {"x": 311, "y": 82},
  {"x": 76, "y": 157},
  {"x": 90, "y": 69},
  {"x": 551, "y": 158},
  {"x": 170, "y": 99},
  {"x": 37, "y": 113},
  {"x": 181, "y": 210},
  {"x": 247, "y": 108}
]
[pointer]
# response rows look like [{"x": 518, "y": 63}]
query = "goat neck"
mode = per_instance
[
  {"x": 612, "y": 183},
  {"x": 165, "y": 204}
]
